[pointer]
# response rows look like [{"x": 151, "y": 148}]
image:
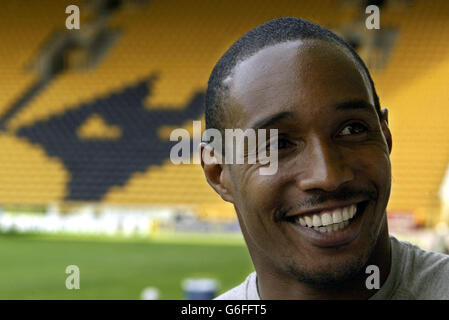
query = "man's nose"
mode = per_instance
[{"x": 325, "y": 168}]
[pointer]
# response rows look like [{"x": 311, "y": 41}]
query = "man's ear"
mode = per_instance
[
  {"x": 217, "y": 175},
  {"x": 385, "y": 129}
]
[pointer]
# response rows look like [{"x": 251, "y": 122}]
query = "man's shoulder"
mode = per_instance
[
  {"x": 236, "y": 293},
  {"x": 426, "y": 272},
  {"x": 243, "y": 291},
  {"x": 423, "y": 259}
]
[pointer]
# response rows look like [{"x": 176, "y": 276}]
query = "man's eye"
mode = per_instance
[
  {"x": 353, "y": 128},
  {"x": 284, "y": 143}
]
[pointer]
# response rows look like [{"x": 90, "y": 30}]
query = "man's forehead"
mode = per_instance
[
  {"x": 279, "y": 76},
  {"x": 250, "y": 74}
]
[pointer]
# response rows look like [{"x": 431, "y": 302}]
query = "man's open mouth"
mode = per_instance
[{"x": 330, "y": 220}]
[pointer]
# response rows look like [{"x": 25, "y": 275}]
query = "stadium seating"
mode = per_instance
[{"x": 94, "y": 133}]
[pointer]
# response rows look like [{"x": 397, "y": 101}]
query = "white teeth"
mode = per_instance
[
  {"x": 352, "y": 210},
  {"x": 329, "y": 221},
  {"x": 309, "y": 221},
  {"x": 336, "y": 216},
  {"x": 316, "y": 221},
  {"x": 326, "y": 219},
  {"x": 345, "y": 214}
]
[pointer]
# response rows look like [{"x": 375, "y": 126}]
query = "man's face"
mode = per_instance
[{"x": 333, "y": 158}]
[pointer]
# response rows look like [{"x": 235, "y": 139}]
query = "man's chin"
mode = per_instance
[
  {"x": 330, "y": 275},
  {"x": 333, "y": 270}
]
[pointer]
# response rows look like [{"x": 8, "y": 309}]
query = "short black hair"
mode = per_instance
[{"x": 270, "y": 33}]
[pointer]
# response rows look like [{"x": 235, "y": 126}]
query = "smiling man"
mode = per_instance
[{"x": 313, "y": 226}]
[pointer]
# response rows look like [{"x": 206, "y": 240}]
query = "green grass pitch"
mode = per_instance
[{"x": 33, "y": 266}]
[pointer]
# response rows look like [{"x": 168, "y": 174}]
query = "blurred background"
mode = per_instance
[{"x": 85, "y": 121}]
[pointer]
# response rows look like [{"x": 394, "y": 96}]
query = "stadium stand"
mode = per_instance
[{"x": 91, "y": 130}]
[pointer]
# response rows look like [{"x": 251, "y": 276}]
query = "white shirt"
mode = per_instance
[{"x": 414, "y": 274}]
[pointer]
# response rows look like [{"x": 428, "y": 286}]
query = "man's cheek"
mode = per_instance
[
  {"x": 257, "y": 205},
  {"x": 372, "y": 165},
  {"x": 264, "y": 192},
  {"x": 381, "y": 172}
]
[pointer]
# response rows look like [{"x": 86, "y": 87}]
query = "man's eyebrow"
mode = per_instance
[
  {"x": 354, "y": 105},
  {"x": 347, "y": 105},
  {"x": 270, "y": 120}
]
